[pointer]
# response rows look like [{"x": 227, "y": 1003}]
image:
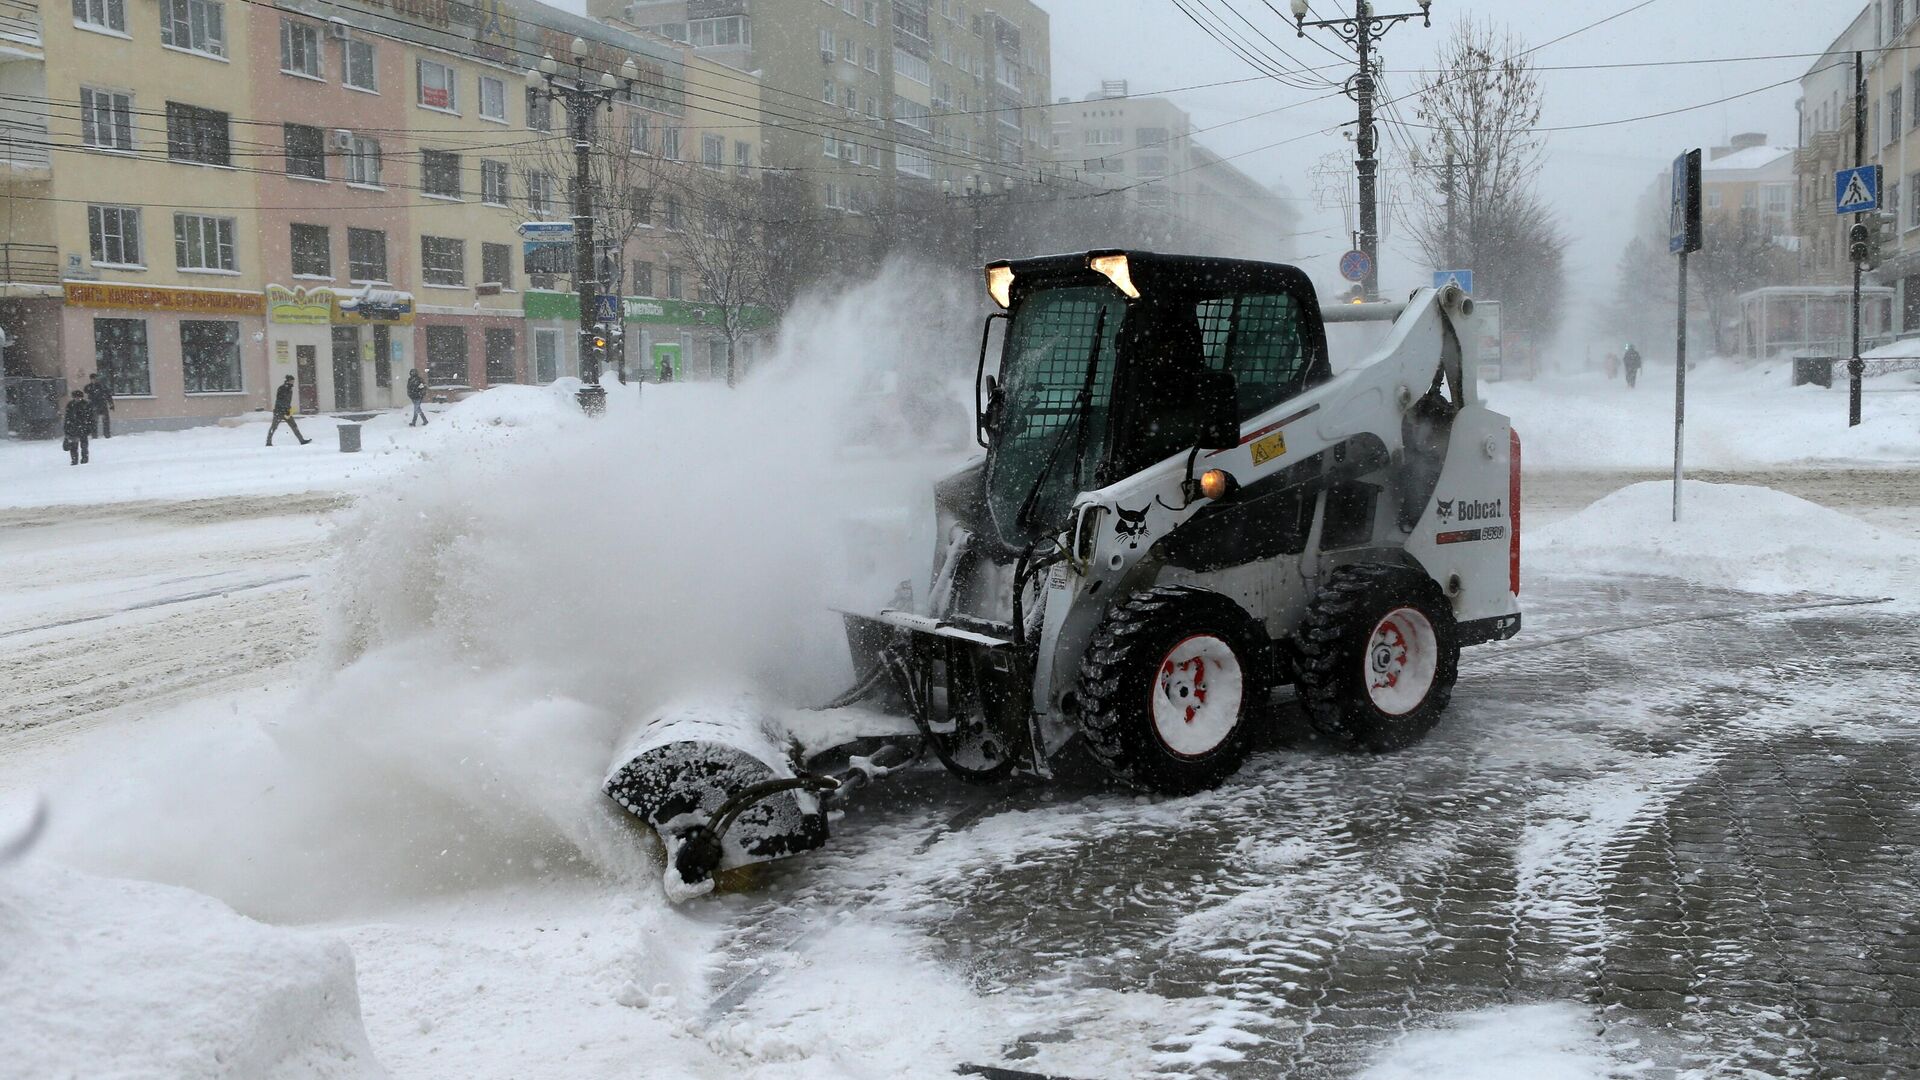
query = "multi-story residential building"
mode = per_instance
[
  {"x": 1143, "y": 145},
  {"x": 1893, "y": 143},
  {"x": 861, "y": 96},
  {"x": 1826, "y": 146},
  {"x": 1750, "y": 185},
  {"x": 218, "y": 193}
]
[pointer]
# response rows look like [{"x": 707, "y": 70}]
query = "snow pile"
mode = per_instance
[
  {"x": 535, "y": 587},
  {"x": 1522, "y": 1042},
  {"x": 1737, "y": 417},
  {"x": 122, "y": 978},
  {"x": 1731, "y": 535}
]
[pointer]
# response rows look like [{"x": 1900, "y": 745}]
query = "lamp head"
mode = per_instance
[
  {"x": 629, "y": 70},
  {"x": 1299, "y": 9},
  {"x": 548, "y": 65},
  {"x": 533, "y": 79},
  {"x": 608, "y": 82},
  {"x": 579, "y": 48}
]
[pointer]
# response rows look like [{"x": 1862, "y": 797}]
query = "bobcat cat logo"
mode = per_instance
[
  {"x": 1445, "y": 507},
  {"x": 1131, "y": 525}
]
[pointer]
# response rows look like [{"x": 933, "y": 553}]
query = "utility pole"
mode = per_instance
[
  {"x": 1855, "y": 366},
  {"x": 1361, "y": 32},
  {"x": 582, "y": 99},
  {"x": 1453, "y": 253}
]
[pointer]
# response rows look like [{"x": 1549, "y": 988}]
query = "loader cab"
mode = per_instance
[{"x": 1115, "y": 361}]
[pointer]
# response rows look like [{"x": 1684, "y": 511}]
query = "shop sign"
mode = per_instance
[
  {"x": 540, "y": 304},
  {"x": 299, "y": 306},
  {"x": 154, "y": 298},
  {"x": 388, "y": 306}
]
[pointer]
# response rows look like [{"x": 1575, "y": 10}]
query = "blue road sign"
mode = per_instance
[
  {"x": 606, "y": 308},
  {"x": 1856, "y": 191},
  {"x": 1354, "y": 265},
  {"x": 1684, "y": 234},
  {"x": 1462, "y": 278}
]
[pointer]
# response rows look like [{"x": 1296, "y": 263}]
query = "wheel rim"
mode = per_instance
[
  {"x": 1196, "y": 696},
  {"x": 1400, "y": 661}
]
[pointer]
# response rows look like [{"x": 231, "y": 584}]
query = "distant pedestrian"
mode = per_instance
[
  {"x": 666, "y": 370},
  {"x": 100, "y": 397},
  {"x": 78, "y": 428},
  {"x": 1630, "y": 359},
  {"x": 416, "y": 393},
  {"x": 283, "y": 413}
]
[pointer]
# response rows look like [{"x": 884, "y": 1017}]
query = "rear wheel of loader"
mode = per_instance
[
  {"x": 1167, "y": 687},
  {"x": 1378, "y": 656}
]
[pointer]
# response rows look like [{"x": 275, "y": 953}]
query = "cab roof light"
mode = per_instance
[
  {"x": 1000, "y": 284},
  {"x": 1115, "y": 269}
]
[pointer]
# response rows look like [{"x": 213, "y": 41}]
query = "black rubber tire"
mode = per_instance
[
  {"x": 1116, "y": 719},
  {"x": 1331, "y": 657}
]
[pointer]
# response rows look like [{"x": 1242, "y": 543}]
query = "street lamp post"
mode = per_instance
[
  {"x": 1361, "y": 32},
  {"x": 1449, "y": 189},
  {"x": 976, "y": 197},
  {"x": 582, "y": 98}
]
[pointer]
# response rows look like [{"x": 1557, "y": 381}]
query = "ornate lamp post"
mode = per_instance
[
  {"x": 1361, "y": 32},
  {"x": 582, "y": 97}
]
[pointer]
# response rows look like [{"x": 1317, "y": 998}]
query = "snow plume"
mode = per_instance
[{"x": 541, "y": 584}]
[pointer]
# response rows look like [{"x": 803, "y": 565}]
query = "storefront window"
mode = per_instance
[
  {"x": 500, "y": 359},
  {"x": 447, "y": 355},
  {"x": 120, "y": 353},
  {"x": 210, "y": 356}
]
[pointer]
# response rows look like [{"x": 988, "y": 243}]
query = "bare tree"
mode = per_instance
[
  {"x": 724, "y": 245},
  {"x": 629, "y": 165},
  {"x": 1481, "y": 109}
]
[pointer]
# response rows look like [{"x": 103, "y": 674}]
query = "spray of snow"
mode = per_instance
[
  {"x": 1521, "y": 1042},
  {"x": 539, "y": 584}
]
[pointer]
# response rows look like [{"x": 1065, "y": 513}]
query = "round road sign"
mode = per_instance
[{"x": 1354, "y": 265}]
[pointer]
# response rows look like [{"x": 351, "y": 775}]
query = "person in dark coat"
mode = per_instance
[
  {"x": 1631, "y": 361},
  {"x": 100, "y": 398},
  {"x": 416, "y": 393},
  {"x": 283, "y": 413},
  {"x": 78, "y": 428}
]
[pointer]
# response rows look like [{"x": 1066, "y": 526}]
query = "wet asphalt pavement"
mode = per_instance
[{"x": 1689, "y": 810}]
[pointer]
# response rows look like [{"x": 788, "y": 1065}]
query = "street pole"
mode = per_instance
[
  {"x": 582, "y": 99},
  {"x": 1361, "y": 32},
  {"x": 1680, "y": 390},
  {"x": 1453, "y": 256},
  {"x": 1855, "y": 366}
]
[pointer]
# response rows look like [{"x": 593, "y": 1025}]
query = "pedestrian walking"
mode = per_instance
[
  {"x": 1630, "y": 359},
  {"x": 78, "y": 427},
  {"x": 100, "y": 399},
  {"x": 283, "y": 413},
  {"x": 666, "y": 370},
  {"x": 416, "y": 393}
]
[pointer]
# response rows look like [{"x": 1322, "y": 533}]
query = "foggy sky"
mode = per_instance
[{"x": 1593, "y": 178}]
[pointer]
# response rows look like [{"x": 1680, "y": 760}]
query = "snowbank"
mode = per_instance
[
  {"x": 101, "y": 977},
  {"x": 1732, "y": 535},
  {"x": 1736, "y": 418},
  {"x": 1523, "y": 1042}
]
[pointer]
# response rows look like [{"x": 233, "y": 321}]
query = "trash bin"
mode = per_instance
[
  {"x": 1817, "y": 370},
  {"x": 349, "y": 438}
]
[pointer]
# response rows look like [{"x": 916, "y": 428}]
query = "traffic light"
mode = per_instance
[{"x": 1860, "y": 246}]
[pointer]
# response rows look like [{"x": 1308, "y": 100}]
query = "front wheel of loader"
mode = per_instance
[
  {"x": 1168, "y": 684},
  {"x": 1378, "y": 655}
]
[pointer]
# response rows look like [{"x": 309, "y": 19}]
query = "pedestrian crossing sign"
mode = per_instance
[{"x": 1856, "y": 191}]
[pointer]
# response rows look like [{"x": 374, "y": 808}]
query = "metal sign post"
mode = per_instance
[
  {"x": 1855, "y": 366},
  {"x": 1683, "y": 219}
]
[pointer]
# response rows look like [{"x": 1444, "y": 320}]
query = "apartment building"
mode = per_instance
[
  {"x": 203, "y": 196},
  {"x": 861, "y": 96},
  {"x": 1144, "y": 145},
  {"x": 1887, "y": 34},
  {"x": 1826, "y": 146},
  {"x": 1749, "y": 185}
]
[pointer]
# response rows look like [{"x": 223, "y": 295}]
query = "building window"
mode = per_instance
[
  {"x": 908, "y": 66},
  {"x": 847, "y": 46},
  {"x": 1913, "y": 210},
  {"x": 499, "y": 345},
  {"x": 113, "y": 235},
  {"x": 440, "y": 173},
  {"x": 299, "y": 48},
  {"x": 195, "y": 25},
  {"x": 640, "y": 205},
  {"x": 539, "y": 110},
  {"x": 437, "y": 87},
  {"x": 210, "y": 356},
  {"x": 203, "y": 243},
  {"x": 674, "y": 282},
  {"x": 725, "y": 30},
  {"x": 363, "y": 161},
  {"x": 539, "y": 193},
  {"x": 496, "y": 265},
  {"x": 443, "y": 261},
  {"x": 829, "y": 145},
  {"x": 670, "y": 143},
  {"x": 312, "y": 251},
  {"x": 103, "y": 15},
  {"x": 306, "y": 151},
  {"x": 197, "y": 135},
  {"x": 829, "y": 92},
  {"x": 870, "y": 58},
  {"x": 106, "y": 119},
  {"x": 912, "y": 114},
  {"x": 366, "y": 255},
  {"x": 493, "y": 99},
  {"x": 670, "y": 212},
  {"x": 1893, "y": 114},
  {"x": 743, "y": 154},
  {"x": 493, "y": 183},
  {"x": 357, "y": 67},
  {"x": 912, "y": 161},
  {"x": 120, "y": 350},
  {"x": 447, "y": 355},
  {"x": 639, "y": 132},
  {"x": 642, "y": 277},
  {"x": 713, "y": 151},
  {"x": 826, "y": 43}
]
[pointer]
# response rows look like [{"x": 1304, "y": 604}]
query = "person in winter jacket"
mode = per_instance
[
  {"x": 283, "y": 413},
  {"x": 78, "y": 427},
  {"x": 100, "y": 397},
  {"x": 416, "y": 393},
  {"x": 1631, "y": 361}
]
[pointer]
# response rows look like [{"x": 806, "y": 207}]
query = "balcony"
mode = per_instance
[
  {"x": 20, "y": 30},
  {"x": 25, "y": 151},
  {"x": 29, "y": 264}
]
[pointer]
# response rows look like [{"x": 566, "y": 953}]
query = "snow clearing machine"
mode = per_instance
[{"x": 1181, "y": 508}]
